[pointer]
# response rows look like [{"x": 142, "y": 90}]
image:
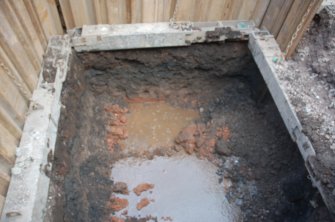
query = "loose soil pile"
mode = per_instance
[{"x": 261, "y": 167}]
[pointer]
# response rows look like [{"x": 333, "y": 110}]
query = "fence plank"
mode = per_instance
[
  {"x": 100, "y": 11},
  {"x": 48, "y": 16},
  {"x": 15, "y": 51},
  {"x": 67, "y": 13},
  {"x": 259, "y": 12},
  {"x": 316, "y": 5},
  {"x": 291, "y": 22},
  {"x": 21, "y": 34},
  {"x": 11, "y": 99},
  {"x": 83, "y": 12}
]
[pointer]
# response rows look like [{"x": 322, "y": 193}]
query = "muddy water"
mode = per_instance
[
  {"x": 185, "y": 189},
  {"x": 155, "y": 124}
]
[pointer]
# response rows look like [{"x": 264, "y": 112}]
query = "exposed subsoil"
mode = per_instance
[
  {"x": 309, "y": 80},
  {"x": 262, "y": 168}
]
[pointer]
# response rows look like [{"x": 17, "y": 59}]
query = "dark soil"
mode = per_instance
[{"x": 268, "y": 178}]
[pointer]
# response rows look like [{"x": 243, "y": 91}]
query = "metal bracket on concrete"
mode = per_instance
[
  {"x": 28, "y": 190},
  {"x": 151, "y": 35},
  {"x": 267, "y": 54}
]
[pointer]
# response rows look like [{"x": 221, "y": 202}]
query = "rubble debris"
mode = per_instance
[
  {"x": 120, "y": 187},
  {"x": 117, "y": 203},
  {"x": 143, "y": 203},
  {"x": 143, "y": 187}
]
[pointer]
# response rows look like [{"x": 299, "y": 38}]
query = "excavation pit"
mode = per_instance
[{"x": 195, "y": 124}]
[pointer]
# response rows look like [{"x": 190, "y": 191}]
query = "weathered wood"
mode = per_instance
[
  {"x": 22, "y": 36},
  {"x": 2, "y": 202},
  {"x": 117, "y": 11},
  {"x": 48, "y": 16},
  {"x": 259, "y": 12},
  {"x": 11, "y": 99},
  {"x": 316, "y": 5},
  {"x": 4, "y": 182},
  {"x": 36, "y": 22},
  {"x": 67, "y": 13},
  {"x": 292, "y": 21},
  {"x": 13, "y": 48},
  {"x": 83, "y": 12},
  {"x": 25, "y": 20},
  {"x": 247, "y": 10},
  {"x": 100, "y": 10},
  {"x": 275, "y": 15}
]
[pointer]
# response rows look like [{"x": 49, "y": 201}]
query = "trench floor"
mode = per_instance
[{"x": 182, "y": 128}]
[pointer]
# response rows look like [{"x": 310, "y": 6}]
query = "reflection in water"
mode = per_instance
[
  {"x": 185, "y": 189},
  {"x": 155, "y": 124}
]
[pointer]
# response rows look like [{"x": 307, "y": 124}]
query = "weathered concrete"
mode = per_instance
[
  {"x": 267, "y": 55},
  {"x": 28, "y": 189},
  {"x": 151, "y": 35}
]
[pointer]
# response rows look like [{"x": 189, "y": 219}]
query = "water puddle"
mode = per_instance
[
  {"x": 185, "y": 189},
  {"x": 155, "y": 124}
]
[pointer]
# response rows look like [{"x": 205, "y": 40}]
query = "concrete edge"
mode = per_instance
[
  {"x": 151, "y": 35},
  {"x": 28, "y": 190},
  {"x": 267, "y": 54}
]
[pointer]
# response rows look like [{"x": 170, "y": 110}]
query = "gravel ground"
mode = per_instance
[{"x": 309, "y": 81}]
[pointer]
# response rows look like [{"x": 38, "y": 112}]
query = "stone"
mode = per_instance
[
  {"x": 120, "y": 187},
  {"x": 143, "y": 203},
  {"x": 222, "y": 148},
  {"x": 143, "y": 187},
  {"x": 116, "y": 219},
  {"x": 117, "y": 203}
]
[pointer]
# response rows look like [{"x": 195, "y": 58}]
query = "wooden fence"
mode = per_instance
[{"x": 26, "y": 25}]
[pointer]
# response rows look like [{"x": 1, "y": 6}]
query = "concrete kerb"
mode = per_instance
[
  {"x": 267, "y": 55},
  {"x": 27, "y": 195},
  {"x": 151, "y": 35},
  {"x": 28, "y": 190}
]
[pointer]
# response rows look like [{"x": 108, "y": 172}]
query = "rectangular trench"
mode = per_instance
[
  {"x": 164, "y": 134},
  {"x": 147, "y": 118}
]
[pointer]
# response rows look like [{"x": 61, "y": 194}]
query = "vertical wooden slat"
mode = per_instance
[
  {"x": 83, "y": 12},
  {"x": 67, "y": 14},
  {"x": 25, "y": 20},
  {"x": 136, "y": 11},
  {"x": 100, "y": 9},
  {"x": 20, "y": 33},
  {"x": 291, "y": 22},
  {"x": 8, "y": 140},
  {"x": 11, "y": 99},
  {"x": 48, "y": 16},
  {"x": 117, "y": 11},
  {"x": 247, "y": 10},
  {"x": 216, "y": 10},
  {"x": 259, "y": 12},
  {"x": 275, "y": 15},
  {"x": 314, "y": 8},
  {"x": 15, "y": 51},
  {"x": 36, "y": 22},
  {"x": 149, "y": 10},
  {"x": 235, "y": 9},
  {"x": 185, "y": 10}
]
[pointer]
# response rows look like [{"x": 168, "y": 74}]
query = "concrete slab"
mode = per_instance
[
  {"x": 151, "y": 35},
  {"x": 28, "y": 190}
]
